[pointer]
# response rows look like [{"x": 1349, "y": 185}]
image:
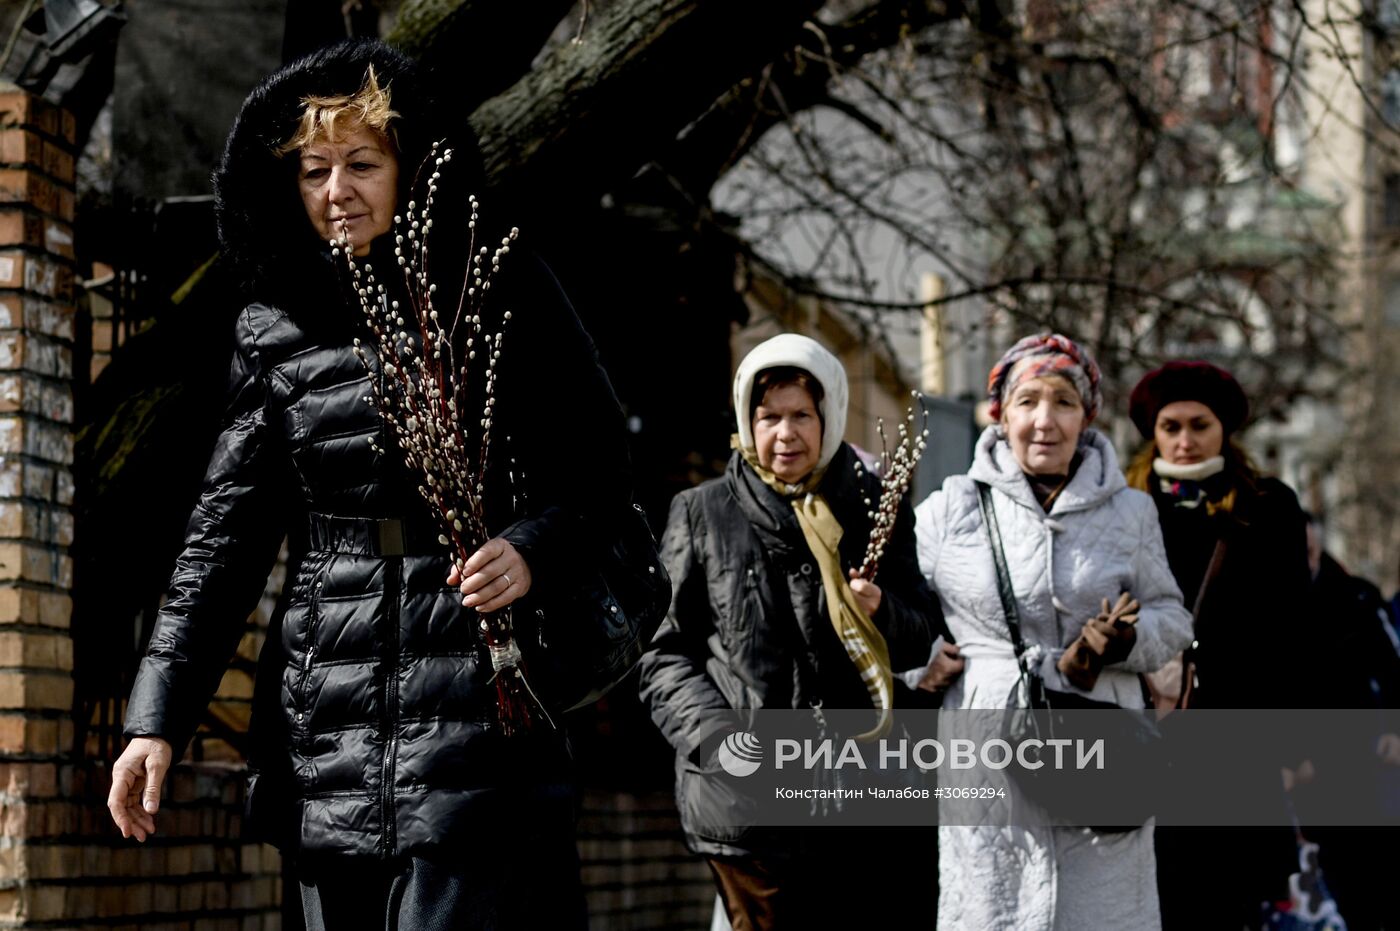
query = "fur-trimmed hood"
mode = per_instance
[{"x": 271, "y": 247}]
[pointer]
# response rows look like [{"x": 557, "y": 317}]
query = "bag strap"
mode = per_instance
[
  {"x": 1188, "y": 663},
  {"x": 1217, "y": 557},
  {"x": 1004, "y": 589}
]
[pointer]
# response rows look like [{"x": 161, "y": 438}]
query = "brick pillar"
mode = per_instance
[{"x": 36, "y": 489}]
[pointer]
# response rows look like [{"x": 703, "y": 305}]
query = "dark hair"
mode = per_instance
[{"x": 781, "y": 376}]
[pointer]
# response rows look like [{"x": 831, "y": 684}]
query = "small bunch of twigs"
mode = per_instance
[
  {"x": 421, "y": 392},
  {"x": 896, "y": 472}
]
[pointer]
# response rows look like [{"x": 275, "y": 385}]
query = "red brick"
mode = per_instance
[
  {"x": 62, "y": 818},
  {"x": 12, "y": 733},
  {"x": 55, "y": 609},
  {"x": 21, "y": 147},
  {"x": 22, "y": 186},
  {"x": 56, "y": 162},
  {"x": 250, "y": 858},
  {"x": 178, "y": 860},
  {"x": 18, "y": 108},
  {"x": 58, "y": 238},
  {"x": 167, "y": 898},
  {"x": 192, "y": 897},
  {"x": 35, "y": 690},
  {"x": 153, "y": 860},
  {"x": 202, "y": 858},
  {"x": 43, "y": 780},
  {"x": 32, "y": 649},
  {"x": 12, "y": 268},
  {"x": 139, "y": 898},
  {"x": 216, "y": 895},
  {"x": 111, "y": 902},
  {"x": 49, "y": 903},
  {"x": 19, "y": 228}
]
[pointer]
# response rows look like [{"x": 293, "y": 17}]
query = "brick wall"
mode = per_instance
[
  {"x": 636, "y": 871},
  {"x": 62, "y": 864}
]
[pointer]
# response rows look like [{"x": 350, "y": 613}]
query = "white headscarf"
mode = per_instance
[{"x": 807, "y": 354}]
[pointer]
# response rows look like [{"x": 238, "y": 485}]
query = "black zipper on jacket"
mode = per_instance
[
  {"x": 313, "y": 615},
  {"x": 393, "y": 566}
]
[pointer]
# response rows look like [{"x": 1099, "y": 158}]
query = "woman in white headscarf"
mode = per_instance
[{"x": 766, "y": 613}]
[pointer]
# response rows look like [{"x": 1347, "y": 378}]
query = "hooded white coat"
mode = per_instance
[{"x": 1099, "y": 539}]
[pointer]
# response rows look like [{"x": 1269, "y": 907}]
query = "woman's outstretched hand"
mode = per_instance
[
  {"x": 495, "y": 576},
  {"x": 136, "y": 780}
]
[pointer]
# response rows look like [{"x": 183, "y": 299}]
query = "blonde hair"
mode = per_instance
[
  {"x": 1244, "y": 474},
  {"x": 330, "y": 117}
]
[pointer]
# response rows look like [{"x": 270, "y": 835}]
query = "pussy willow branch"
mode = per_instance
[
  {"x": 896, "y": 472},
  {"x": 421, "y": 393}
]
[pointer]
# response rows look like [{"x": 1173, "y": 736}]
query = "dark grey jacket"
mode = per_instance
[{"x": 748, "y": 626}]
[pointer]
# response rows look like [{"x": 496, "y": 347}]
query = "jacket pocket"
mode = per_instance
[
  {"x": 711, "y": 805},
  {"x": 746, "y": 605},
  {"x": 313, "y": 616}
]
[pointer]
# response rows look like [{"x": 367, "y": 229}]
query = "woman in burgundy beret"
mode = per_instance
[{"x": 1237, "y": 544}]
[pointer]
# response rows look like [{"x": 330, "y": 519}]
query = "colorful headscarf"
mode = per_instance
[{"x": 1045, "y": 354}]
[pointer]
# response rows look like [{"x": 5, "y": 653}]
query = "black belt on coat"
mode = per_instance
[{"x": 368, "y": 536}]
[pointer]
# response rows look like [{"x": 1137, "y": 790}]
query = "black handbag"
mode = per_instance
[
  {"x": 1038, "y": 712},
  {"x": 593, "y": 628}
]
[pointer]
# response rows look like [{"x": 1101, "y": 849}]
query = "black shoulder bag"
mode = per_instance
[
  {"x": 594, "y": 629},
  {"x": 1036, "y": 712}
]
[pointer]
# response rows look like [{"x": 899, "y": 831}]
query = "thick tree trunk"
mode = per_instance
[
  {"x": 594, "y": 112},
  {"x": 478, "y": 48}
]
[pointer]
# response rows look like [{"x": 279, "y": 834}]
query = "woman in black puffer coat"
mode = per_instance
[{"x": 378, "y": 760}]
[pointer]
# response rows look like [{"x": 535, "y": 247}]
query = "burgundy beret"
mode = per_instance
[{"x": 1188, "y": 381}]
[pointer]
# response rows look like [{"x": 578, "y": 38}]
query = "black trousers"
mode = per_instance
[{"x": 508, "y": 885}]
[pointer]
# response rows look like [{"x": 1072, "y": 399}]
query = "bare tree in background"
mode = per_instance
[
  {"x": 1128, "y": 172},
  {"x": 1143, "y": 175}
]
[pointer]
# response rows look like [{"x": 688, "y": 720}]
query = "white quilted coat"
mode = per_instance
[{"x": 1100, "y": 538}]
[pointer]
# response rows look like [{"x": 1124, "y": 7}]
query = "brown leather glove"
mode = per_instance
[{"x": 1107, "y": 638}]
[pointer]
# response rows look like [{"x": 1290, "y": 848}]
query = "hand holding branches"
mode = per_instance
[{"x": 421, "y": 364}]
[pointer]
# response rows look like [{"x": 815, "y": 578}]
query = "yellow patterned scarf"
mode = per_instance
[{"x": 862, "y": 640}]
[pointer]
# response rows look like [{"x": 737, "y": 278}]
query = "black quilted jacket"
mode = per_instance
[
  {"x": 374, "y": 712},
  {"x": 748, "y": 626}
]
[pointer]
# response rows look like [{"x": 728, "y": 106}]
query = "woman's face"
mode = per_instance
[
  {"x": 350, "y": 186},
  {"x": 788, "y": 432},
  {"x": 1043, "y": 419},
  {"x": 1188, "y": 432}
]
